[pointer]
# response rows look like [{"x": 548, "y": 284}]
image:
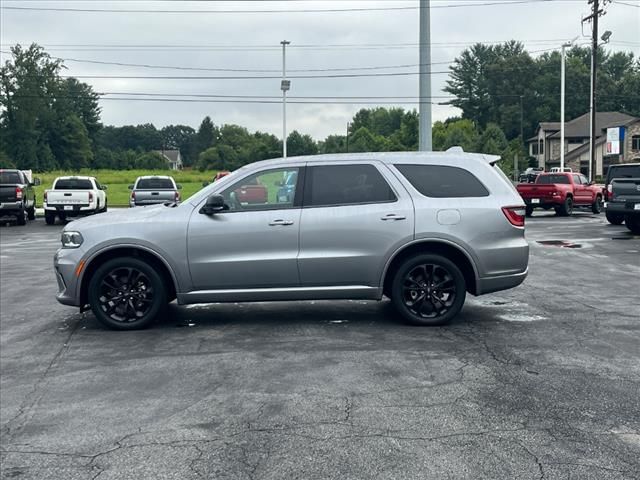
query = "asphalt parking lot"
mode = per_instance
[{"x": 540, "y": 382}]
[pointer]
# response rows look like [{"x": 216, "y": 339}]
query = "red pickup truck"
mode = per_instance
[{"x": 562, "y": 192}]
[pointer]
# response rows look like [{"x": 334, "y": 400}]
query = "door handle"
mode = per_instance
[
  {"x": 284, "y": 223},
  {"x": 393, "y": 216}
]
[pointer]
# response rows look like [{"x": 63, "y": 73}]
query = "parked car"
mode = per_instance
[
  {"x": 562, "y": 192},
  {"x": 151, "y": 190},
  {"x": 17, "y": 196},
  {"x": 624, "y": 200},
  {"x": 623, "y": 170},
  {"x": 421, "y": 228},
  {"x": 530, "y": 174},
  {"x": 74, "y": 197},
  {"x": 560, "y": 170}
]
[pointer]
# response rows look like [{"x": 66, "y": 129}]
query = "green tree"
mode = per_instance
[
  {"x": 71, "y": 145},
  {"x": 151, "y": 161},
  {"x": 206, "y": 136},
  {"x": 298, "y": 144}
]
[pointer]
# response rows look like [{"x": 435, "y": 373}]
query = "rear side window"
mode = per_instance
[
  {"x": 330, "y": 185},
  {"x": 10, "y": 177},
  {"x": 155, "y": 184},
  {"x": 73, "y": 184},
  {"x": 549, "y": 179},
  {"x": 440, "y": 181}
]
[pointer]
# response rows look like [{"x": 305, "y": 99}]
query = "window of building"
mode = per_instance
[
  {"x": 541, "y": 147},
  {"x": 534, "y": 149},
  {"x": 635, "y": 142},
  {"x": 441, "y": 181},
  {"x": 332, "y": 185}
]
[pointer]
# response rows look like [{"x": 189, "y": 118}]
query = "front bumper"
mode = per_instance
[
  {"x": 65, "y": 263},
  {"x": 625, "y": 207}
]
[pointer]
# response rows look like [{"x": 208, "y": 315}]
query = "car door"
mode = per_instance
[
  {"x": 252, "y": 244},
  {"x": 578, "y": 190},
  {"x": 354, "y": 215}
]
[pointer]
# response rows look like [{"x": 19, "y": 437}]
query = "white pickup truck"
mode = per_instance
[{"x": 74, "y": 197}]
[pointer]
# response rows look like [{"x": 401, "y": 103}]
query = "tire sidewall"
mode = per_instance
[
  {"x": 596, "y": 207},
  {"x": 406, "y": 267},
  {"x": 159, "y": 301}
]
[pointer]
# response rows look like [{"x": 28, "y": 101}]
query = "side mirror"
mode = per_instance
[
  {"x": 36, "y": 182},
  {"x": 104, "y": 187},
  {"x": 130, "y": 187},
  {"x": 178, "y": 186},
  {"x": 215, "y": 203}
]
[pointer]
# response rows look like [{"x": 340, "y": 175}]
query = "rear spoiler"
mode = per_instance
[{"x": 490, "y": 159}]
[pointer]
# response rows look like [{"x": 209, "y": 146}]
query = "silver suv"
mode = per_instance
[{"x": 420, "y": 228}]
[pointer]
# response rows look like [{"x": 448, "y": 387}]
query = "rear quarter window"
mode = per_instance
[{"x": 441, "y": 181}]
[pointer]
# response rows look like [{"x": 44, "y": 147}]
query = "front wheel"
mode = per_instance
[
  {"x": 615, "y": 218},
  {"x": 31, "y": 213},
  {"x": 633, "y": 223},
  {"x": 126, "y": 294},
  {"x": 428, "y": 290},
  {"x": 596, "y": 207}
]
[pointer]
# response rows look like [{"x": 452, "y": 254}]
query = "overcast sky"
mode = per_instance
[{"x": 202, "y": 38}]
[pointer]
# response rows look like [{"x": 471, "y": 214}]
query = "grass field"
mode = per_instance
[{"x": 118, "y": 181}]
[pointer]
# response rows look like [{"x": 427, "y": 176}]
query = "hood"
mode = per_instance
[{"x": 119, "y": 216}]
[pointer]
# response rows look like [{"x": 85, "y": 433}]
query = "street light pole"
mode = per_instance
[
  {"x": 562, "y": 89},
  {"x": 285, "y": 85},
  {"x": 425, "y": 77}
]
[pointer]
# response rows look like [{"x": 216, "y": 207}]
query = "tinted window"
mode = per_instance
[
  {"x": 266, "y": 190},
  {"x": 548, "y": 179},
  {"x": 345, "y": 185},
  {"x": 73, "y": 184},
  {"x": 440, "y": 181},
  {"x": 10, "y": 177},
  {"x": 623, "y": 171},
  {"x": 155, "y": 184}
]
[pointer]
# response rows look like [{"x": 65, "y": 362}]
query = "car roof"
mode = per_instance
[
  {"x": 145, "y": 177},
  {"x": 75, "y": 177}
]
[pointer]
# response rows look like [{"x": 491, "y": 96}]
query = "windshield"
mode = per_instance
[
  {"x": 73, "y": 184},
  {"x": 549, "y": 179},
  {"x": 10, "y": 177},
  {"x": 155, "y": 184}
]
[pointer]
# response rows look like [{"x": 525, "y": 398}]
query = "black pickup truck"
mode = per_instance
[
  {"x": 624, "y": 200},
  {"x": 620, "y": 170},
  {"x": 17, "y": 196}
]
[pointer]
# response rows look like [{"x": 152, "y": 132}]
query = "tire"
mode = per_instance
[
  {"x": 528, "y": 211},
  {"x": 146, "y": 298},
  {"x": 423, "y": 271},
  {"x": 50, "y": 219},
  {"x": 632, "y": 222},
  {"x": 21, "y": 218},
  {"x": 105, "y": 207},
  {"x": 566, "y": 208},
  {"x": 31, "y": 212},
  {"x": 596, "y": 207},
  {"x": 615, "y": 218}
]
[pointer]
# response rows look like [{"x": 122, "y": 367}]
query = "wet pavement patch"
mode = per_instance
[{"x": 559, "y": 243}]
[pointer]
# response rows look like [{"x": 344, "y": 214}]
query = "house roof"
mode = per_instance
[
  {"x": 579, "y": 127},
  {"x": 584, "y": 148},
  {"x": 171, "y": 155}
]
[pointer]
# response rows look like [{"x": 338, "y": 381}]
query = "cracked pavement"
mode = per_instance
[{"x": 540, "y": 382}]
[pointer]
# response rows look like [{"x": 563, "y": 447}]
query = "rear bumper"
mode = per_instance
[
  {"x": 543, "y": 201},
  {"x": 76, "y": 210},
  {"x": 504, "y": 282},
  {"x": 10, "y": 209},
  {"x": 623, "y": 207}
]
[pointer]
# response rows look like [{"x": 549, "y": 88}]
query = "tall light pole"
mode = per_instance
[
  {"x": 285, "y": 85},
  {"x": 425, "y": 76},
  {"x": 562, "y": 82}
]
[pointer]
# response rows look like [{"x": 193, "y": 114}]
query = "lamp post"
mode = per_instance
[
  {"x": 562, "y": 89},
  {"x": 425, "y": 77},
  {"x": 285, "y": 85}
]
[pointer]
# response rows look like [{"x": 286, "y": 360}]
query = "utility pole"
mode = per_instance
[
  {"x": 596, "y": 12},
  {"x": 425, "y": 76},
  {"x": 347, "y": 137},
  {"x": 285, "y": 85},
  {"x": 562, "y": 88}
]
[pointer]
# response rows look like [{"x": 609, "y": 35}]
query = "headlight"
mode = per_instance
[{"x": 71, "y": 239}]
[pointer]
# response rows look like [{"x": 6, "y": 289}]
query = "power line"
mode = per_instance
[{"x": 329, "y": 10}]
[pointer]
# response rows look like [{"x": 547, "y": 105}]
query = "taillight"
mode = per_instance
[
  {"x": 177, "y": 196},
  {"x": 133, "y": 195},
  {"x": 90, "y": 197},
  {"x": 515, "y": 215},
  {"x": 18, "y": 193},
  {"x": 610, "y": 188},
  {"x": 45, "y": 196}
]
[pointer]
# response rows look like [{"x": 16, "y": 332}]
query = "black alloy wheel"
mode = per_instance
[
  {"x": 429, "y": 290},
  {"x": 126, "y": 294}
]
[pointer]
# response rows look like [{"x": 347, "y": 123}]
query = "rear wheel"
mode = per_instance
[
  {"x": 596, "y": 207},
  {"x": 49, "y": 218},
  {"x": 566, "y": 208},
  {"x": 615, "y": 218},
  {"x": 21, "y": 218},
  {"x": 633, "y": 223},
  {"x": 126, "y": 294},
  {"x": 428, "y": 290}
]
